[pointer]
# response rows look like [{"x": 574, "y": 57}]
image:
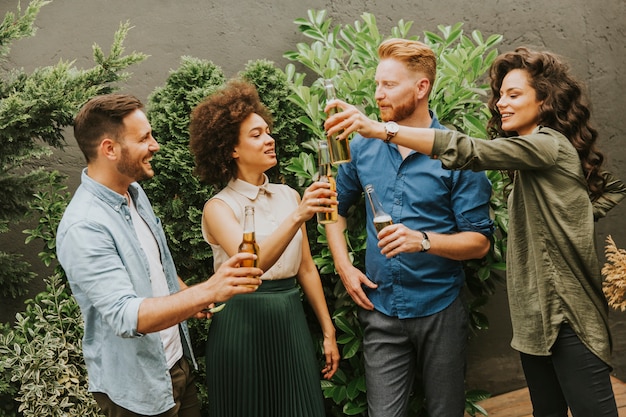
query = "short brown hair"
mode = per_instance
[
  {"x": 102, "y": 116},
  {"x": 417, "y": 56},
  {"x": 214, "y": 129}
]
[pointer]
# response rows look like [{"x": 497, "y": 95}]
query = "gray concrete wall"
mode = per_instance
[{"x": 590, "y": 34}]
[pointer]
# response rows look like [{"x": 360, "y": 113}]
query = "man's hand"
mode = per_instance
[
  {"x": 231, "y": 279},
  {"x": 353, "y": 280},
  {"x": 397, "y": 238}
]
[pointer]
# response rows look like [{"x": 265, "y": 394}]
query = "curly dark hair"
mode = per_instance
[
  {"x": 214, "y": 129},
  {"x": 564, "y": 109}
]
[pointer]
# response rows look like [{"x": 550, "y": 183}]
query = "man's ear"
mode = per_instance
[
  {"x": 423, "y": 86},
  {"x": 109, "y": 148}
]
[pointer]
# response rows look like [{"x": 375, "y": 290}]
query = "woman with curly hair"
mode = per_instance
[
  {"x": 260, "y": 358},
  {"x": 540, "y": 128}
]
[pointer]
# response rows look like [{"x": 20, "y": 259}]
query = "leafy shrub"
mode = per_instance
[
  {"x": 41, "y": 362},
  {"x": 44, "y": 355}
]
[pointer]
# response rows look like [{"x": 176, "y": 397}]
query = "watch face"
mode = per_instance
[
  {"x": 392, "y": 128},
  {"x": 425, "y": 244}
]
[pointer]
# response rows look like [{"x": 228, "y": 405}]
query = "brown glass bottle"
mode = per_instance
[{"x": 248, "y": 243}]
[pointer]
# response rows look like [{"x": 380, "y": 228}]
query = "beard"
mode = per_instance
[
  {"x": 131, "y": 168},
  {"x": 402, "y": 110}
]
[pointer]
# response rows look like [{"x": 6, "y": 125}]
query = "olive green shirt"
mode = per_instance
[{"x": 553, "y": 272}]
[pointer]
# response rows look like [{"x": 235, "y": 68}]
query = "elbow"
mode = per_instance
[
  {"x": 484, "y": 251},
  {"x": 482, "y": 248}
]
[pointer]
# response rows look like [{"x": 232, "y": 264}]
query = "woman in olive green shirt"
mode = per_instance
[{"x": 542, "y": 133}]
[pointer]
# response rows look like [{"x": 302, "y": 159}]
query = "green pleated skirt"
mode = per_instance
[{"x": 260, "y": 357}]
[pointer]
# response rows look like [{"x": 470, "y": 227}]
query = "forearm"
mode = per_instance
[
  {"x": 274, "y": 245},
  {"x": 314, "y": 293},
  {"x": 459, "y": 246},
  {"x": 418, "y": 139},
  {"x": 159, "y": 313},
  {"x": 614, "y": 192},
  {"x": 337, "y": 244}
]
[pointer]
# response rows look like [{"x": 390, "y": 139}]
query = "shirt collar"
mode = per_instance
[
  {"x": 248, "y": 190},
  {"x": 106, "y": 194}
]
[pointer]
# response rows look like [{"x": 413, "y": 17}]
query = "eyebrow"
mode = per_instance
[{"x": 509, "y": 89}]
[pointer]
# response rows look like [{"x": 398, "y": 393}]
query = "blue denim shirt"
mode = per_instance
[
  {"x": 109, "y": 275},
  {"x": 419, "y": 193}
]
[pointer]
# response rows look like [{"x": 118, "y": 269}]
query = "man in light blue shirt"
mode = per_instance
[
  {"x": 414, "y": 321},
  {"x": 114, "y": 252}
]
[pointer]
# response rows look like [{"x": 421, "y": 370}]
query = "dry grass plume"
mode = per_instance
[{"x": 614, "y": 271}]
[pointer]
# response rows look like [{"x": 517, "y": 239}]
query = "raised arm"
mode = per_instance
[{"x": 350, "y": 120}]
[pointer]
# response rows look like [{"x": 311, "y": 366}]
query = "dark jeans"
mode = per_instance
[
  {"x": 185, "y": 396},
  {"x": 572, "y": 376},
  {"x": 396, "y": 349}
]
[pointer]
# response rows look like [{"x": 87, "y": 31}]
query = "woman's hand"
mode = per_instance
[
  {"x": 349, "y": 119},
  {"x": 317, "y": 198},
  {"x": 331, "y": 355}
]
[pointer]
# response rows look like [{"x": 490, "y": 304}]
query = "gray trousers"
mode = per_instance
[{"x": 396, "y": 349}]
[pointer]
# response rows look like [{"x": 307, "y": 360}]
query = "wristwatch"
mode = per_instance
[
  {"x": 425, "y": 243},
  {"x": 391, "y": 128}
]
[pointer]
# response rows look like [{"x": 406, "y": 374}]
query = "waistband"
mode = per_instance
[{"x": 277, "y": 285}]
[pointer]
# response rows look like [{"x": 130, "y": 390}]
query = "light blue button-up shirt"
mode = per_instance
[
  {"x": 109, "y": 275},
  {"x": 418, "y": 192}
]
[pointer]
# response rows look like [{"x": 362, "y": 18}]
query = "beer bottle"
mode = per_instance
[
  {"x": 249, "y": 244},
  {"x": 381, "y": 218},
  {"x": 326, "y": 175},
  {"x": 339, "y": 149}
]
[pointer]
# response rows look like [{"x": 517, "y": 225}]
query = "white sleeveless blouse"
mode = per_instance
[{"x": 272, "y": 204}]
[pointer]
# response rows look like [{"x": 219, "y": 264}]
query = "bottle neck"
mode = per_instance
[
  {"x": 323, "y": 160},
  {"x": 375, "y": 204},
  {"x": 248, "y": 223},
  {"x": 326, "y": 170},
  {"x": 329, "y": 89}
]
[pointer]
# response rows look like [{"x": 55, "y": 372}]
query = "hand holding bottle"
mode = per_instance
[
  {"x": 319, "y": 198},
  {"x": 326, "y": 175},
  {"x": 344, "y": 119}
]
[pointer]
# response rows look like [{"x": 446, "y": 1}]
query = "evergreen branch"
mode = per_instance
[{"x": 13, "y": 28}]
